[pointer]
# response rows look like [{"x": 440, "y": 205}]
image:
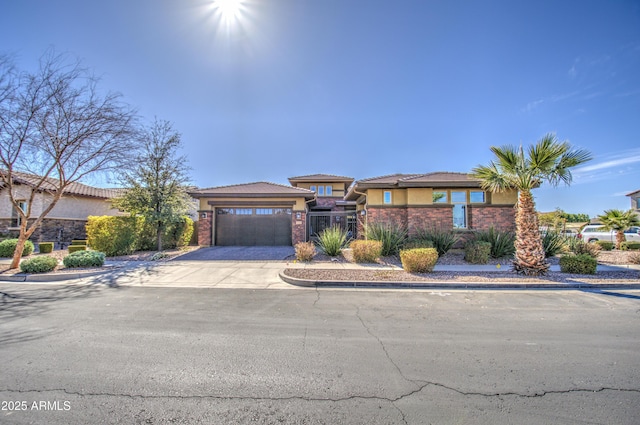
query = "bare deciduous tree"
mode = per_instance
[{"x": 57, "y": 127}]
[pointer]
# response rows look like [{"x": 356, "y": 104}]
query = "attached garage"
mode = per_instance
[
  {"x": 253, "y": 226},
  {"x": 252, "y": 214}
]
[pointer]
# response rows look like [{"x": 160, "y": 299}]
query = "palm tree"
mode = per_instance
[
  {"x": 514, "y": 168},
  {"x": 619, "y": 221}
]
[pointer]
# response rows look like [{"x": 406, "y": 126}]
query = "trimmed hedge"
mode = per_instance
[
  {"x": 418, "y": 260},
  {"x": 76, "y": 248},
  {"x": 605, "y": 245},
  {"x": 125, "y": 235},
  {"x": 8, "y": 247},
  {"x": 366, "y": 251},
  {"x": 79, "y": 242},
  {"x": 84, "y": 259},
  {"x": 578, "y": 264},
  {"x": 629, "y": 246},
  {"x": 45, "y": 247},
  {"x": 41, "y": 264},
  {"x": 477, "y": 252}
]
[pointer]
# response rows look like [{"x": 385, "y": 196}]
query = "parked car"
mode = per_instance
[{"x": 595, "y": 232}]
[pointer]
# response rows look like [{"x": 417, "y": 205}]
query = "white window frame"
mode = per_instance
[{"x": 384, "y": 197}]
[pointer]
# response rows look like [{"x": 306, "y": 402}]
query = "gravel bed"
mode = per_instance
[
  {"x": 629, "y": 276},
  {"x": 456, "y": 257}
]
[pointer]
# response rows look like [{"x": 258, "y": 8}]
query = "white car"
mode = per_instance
[{"x": 595, "y": 232}]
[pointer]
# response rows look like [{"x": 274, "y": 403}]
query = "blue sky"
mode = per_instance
[{"x": 364, "y": 88}]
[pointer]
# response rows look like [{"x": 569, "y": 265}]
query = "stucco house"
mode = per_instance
[
  {"x": 67, "y": 219},
  {"x": 272, "y": 214}
]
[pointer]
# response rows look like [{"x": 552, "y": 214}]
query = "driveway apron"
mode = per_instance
[{"x": 240, "y": 253}]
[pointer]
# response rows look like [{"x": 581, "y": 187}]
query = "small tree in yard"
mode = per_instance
[
  {"x": 156, "y": 181},
  {"x": 56, "y": 128},
  {"x": 619, "y": 221},
  {"x": 548, "y": 160}
]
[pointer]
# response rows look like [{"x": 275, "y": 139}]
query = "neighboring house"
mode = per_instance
[
  {"x": 67, "y": 220},
  {"x": 635, "y": 201},
  {"x": 272, "y": 214}
]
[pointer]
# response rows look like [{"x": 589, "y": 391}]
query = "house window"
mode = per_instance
[
  {"x": 244, "y": 211},
  {"x": 439, "y": 197},
  {"x": 476, "y": 197},
  {"x": 459, "y": 201},
  {"x": 329, "y": 190},
  {"x": 16, "y": 220},
  {"x": 312, "y": 188},
  {"x": 320, "y": 190},
  {"x": 264, "y": 211},
  {"x": 387, "y": 197}
]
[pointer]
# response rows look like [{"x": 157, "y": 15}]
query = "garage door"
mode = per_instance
[{"x": 253, "y": 226}]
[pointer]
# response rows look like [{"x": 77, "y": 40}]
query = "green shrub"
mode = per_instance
[
  {"x": 305, "y": 251},
  {"x": 605, "y": 245},
  {"x": 366, "y": 251},
  {"x": 41, "y": 264},
  {"x": 177, "y": 234},
  {"x": 391, "y": 235},
  {"x": 79, "y": 242},
  {"x": 553, "y": 243},
  {"x": 578, "y": 264},
  {"x": 578, "y": 246},
  {"x": 443, "y": 239},
  {"x": 418, "y": 260},
  {"x": 502, "y": 242},
  {"x": 8, "y": 247},
  {"x": 114, "y": 235},
  {"x": 45, "y": 247},
  {"x": 84, "y": 259},
  {"x": 76, "y": 248},
  {"x": 417, "y": 243},
  {"x": 629, "y": 246},
  {"x": 332, "y": 240},
  {"x": 477, "y": 252}
]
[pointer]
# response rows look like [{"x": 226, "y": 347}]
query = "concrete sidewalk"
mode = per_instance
[{"x": 266, "y": 275}]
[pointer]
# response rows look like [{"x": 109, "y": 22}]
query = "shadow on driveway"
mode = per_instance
[{"x": 240, "y": 253}]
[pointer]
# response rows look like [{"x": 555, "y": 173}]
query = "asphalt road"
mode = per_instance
[{"x": 129, "y": 355}]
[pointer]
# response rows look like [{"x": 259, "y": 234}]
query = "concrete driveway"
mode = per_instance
[{"x": 240, "y": 253}]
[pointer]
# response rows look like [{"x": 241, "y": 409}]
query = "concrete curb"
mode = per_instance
[
  {"x": 452, "y": 285},
  {"x": 58, "y": 277}
]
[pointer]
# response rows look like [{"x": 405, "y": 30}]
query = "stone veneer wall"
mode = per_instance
[
  {"x": 501, "y": 217},
  {"x": 204, "y": 228},
  {"x": 479, "y": 217},
  {"x": 49, "y": 228},
  {"x": 298, "y": 227},
  {"x": 440, "y": 216}
]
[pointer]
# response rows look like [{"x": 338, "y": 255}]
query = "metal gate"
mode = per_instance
[{"x": 320, "y": 220}]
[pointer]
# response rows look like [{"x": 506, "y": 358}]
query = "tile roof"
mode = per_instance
[
  {"x": 321, "y": 178},
  {"x": 78, "y": 189},
  {"x": 252, "y": 189}
]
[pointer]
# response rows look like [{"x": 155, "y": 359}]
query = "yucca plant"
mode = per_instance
[
  {"x": 331, "y": 240},
  {"x": 443, "y": 239},
  {"x": 502, "y": 242},
  {"x": 391, "y": 235},
  {"x": 553, "y": 243}
]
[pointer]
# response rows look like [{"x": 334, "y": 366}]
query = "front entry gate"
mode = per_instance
[{"x": 319, "y": 220}]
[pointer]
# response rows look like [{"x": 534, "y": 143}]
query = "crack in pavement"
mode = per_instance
[
  {"x": 317, "y": 297},
  {"x": 320, "y": 399},
  {"x": 384, "y": 349}
]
